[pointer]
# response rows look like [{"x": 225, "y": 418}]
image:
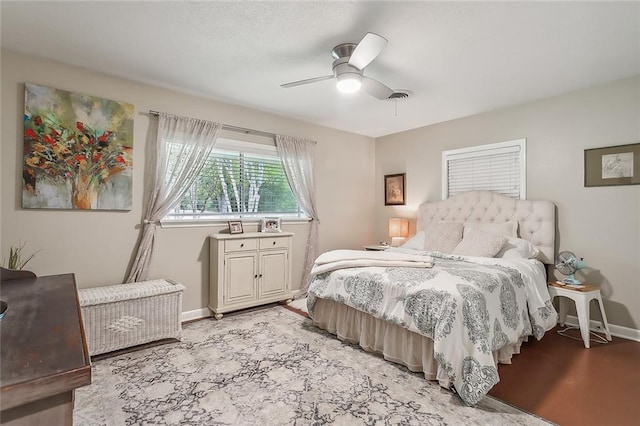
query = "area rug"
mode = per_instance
[{"x": 270, "y": 367}]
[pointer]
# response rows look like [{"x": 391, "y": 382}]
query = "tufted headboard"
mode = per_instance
[{"x": 536, "y": 219}]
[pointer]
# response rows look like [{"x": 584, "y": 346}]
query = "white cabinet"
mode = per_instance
[{"x": 248, "y": 270}]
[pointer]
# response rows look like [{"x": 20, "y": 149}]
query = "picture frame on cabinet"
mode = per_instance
[
  {"x": 270, "y": 224},
  {"x": 235, "y": 227}
]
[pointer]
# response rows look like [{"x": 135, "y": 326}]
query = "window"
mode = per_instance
[
  {"x": 240, "y": 180},
  {"x": 498, "y": 167}
]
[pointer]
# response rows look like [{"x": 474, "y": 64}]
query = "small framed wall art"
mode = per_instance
[
  {"x": 612, "y": 165},
  {"x": 394, "y": 190},
  {"x": 270, "y": 224},
  {"x": 235, "y": 227}
]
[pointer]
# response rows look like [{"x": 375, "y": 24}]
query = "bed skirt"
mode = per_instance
[{"x": 394, "y": 343}]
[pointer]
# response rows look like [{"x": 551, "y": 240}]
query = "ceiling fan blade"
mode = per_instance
[
  {"x": 366, "y": 51},
  {"x": 376, "y": 89},
  {"x": 307, "y": 81}
]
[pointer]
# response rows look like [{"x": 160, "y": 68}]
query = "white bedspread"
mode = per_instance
[
  {"x": 339, "y": 259},
  {"x": 468, "y": 306}
]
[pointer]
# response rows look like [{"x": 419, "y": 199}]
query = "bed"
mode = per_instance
[{"x": 440, "y": 304}]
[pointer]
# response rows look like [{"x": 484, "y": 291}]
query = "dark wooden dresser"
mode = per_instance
[{"x": 43, "y": 350}]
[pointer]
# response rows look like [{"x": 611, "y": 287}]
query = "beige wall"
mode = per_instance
[
  {"x": 98, "y": 246},
  {"x": 600, "y": 224}
]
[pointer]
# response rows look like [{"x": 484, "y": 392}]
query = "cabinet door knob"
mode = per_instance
[
  {"x": 255, "y": 276},
  {"x": 242, "y": 245},
  {"x": 274, "y": 243},
  {"x": 260, "y": 275}
]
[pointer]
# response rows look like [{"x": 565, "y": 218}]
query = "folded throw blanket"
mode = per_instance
[{"x": 338, "y": 259}]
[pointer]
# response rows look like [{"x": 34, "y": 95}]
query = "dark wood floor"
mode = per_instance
[{"x": 559, "y": 379}]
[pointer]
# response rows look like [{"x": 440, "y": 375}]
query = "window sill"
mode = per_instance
[{"x": 202, "y": 223}]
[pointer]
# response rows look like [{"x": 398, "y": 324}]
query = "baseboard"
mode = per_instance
[
  {"x": 195, "y": 314},
  {"x": 616, "y": 330}
]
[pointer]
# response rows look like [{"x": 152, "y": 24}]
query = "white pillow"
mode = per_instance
[
  {"x": 416, "y": 242},
  {"x": 508, "y": 229},
  {"x": 517, "y": 248},
  {"x": 479, "y": 243},
  {"x": 442, "y": 236}
]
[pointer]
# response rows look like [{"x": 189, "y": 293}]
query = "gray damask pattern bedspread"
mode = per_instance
[{"x": 468, "y": 306}]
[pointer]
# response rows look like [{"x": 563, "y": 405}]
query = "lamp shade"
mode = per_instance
[{"x": 398, "y": 227}]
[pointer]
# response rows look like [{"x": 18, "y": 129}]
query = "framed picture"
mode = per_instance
[
  {"x": 270, "y": 224},
  {"x": 235, "y": 227},
  {"x": 394, "y": 190},
  {"x": 612, "y": 165},
  {"x": 77, "y": 152}
]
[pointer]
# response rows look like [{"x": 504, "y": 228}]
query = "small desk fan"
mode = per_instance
[{"x": 567, "y": 264}]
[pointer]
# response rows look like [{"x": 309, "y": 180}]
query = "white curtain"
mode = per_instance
[
  {"x": 297, "y": 160},
  {"x": 182, "y": 148}
]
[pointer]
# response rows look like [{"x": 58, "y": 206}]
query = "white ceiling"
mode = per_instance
[{"x": 458, "y": 58}]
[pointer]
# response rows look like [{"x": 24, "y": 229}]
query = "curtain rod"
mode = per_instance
[{"x": 235, "y": 128}]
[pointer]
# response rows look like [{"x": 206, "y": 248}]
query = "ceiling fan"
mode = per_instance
[{"x": 350, "y": 60}]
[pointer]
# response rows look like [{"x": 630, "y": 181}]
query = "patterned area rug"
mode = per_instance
[{"x": 270, "y": 367}]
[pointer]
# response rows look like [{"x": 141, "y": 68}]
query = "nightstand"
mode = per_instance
[
  {"x": 376, "y": 247},
  {"x": 581, "y": 296}
]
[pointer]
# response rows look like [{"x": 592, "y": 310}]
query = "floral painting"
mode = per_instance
[{"x": 77, "y": 151}]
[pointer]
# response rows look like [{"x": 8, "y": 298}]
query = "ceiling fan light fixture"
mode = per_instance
[{"x": 349, "y": 82}]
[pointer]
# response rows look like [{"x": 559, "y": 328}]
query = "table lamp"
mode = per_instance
[{"x": 398, "y": 231}]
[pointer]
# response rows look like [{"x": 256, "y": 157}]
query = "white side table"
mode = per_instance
[{"x": 581, "y": 296}]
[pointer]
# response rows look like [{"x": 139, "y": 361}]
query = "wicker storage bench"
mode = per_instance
[{"x": 124, "y": 315}]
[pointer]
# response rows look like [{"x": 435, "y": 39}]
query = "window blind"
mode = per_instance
[
  {"x": 238, "y": 183},
  {"x": 495, "y": 167}
]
